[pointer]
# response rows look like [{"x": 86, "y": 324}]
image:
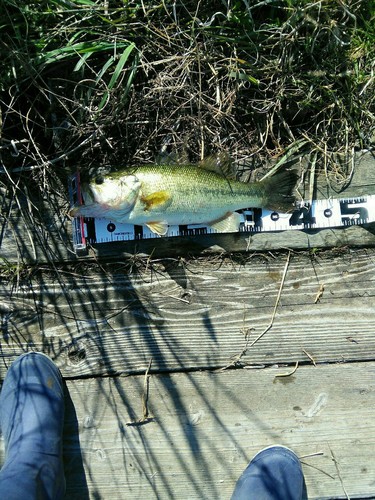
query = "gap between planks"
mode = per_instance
[{"x": 206, "y": 427}]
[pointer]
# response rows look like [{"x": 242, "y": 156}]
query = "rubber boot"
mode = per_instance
[
  {"x": 31, "y": 420},
  {"x": 275, "y": 473}
]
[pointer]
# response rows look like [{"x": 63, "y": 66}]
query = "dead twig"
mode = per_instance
[
  {"x": 276, "y": 303},
  {"x": 146, "y": 417},
  {"x": 237, "y": 358},
  {"x": 247, "y": 346},
  {"x": 338, "y": 472},
  {"x": 319, "y": 294},
  {"x": 318, "y": 469},
  {"x": 311, "y": 455},
  {"x": 288, "y": 374},
  {"x": 309, "y": 356}
]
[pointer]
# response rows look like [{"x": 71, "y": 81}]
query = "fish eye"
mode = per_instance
[{"x": 99, "y": 179}]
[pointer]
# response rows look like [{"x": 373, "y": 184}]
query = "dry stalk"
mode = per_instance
[
  {"x": 288, "y": 374},
  {"x": 247, "y": 346},
  {"x": 309, "y": 356},
  {"x": 319, "y": 294},
  {"x": 276, "y": 303},
  {"x": 338, "y": 471},
  {"x": 146, "y": 417}
]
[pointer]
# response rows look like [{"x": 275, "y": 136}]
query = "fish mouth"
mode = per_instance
[
  {"x": 74, "y": 212},
  {"x": 87, "y": 198}
]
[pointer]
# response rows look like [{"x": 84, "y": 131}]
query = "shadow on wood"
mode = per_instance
[{"x": 73, "y": 461}]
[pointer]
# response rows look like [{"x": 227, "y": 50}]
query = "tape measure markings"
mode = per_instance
[{"x": 320, "y": 214}]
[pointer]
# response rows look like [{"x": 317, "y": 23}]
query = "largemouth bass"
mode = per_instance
[{"x": 158, "y": 196}]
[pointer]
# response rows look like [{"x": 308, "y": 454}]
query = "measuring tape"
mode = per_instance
[{"x": 320, "y": 214}]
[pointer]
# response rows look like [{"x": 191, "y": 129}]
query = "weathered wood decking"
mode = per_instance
[
  {"x": 102, "y": 323},
  {"x": 206, "y": 426},
  {"x": 49, "y": 240},
  {"x": 193, "y": 317}
]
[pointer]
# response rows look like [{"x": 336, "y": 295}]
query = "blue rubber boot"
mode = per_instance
[
  {"x": 275, "y": 473},
  {"x": 31, "y": 420}
]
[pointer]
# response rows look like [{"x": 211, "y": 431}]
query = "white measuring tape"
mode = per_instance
[{"x": 320, "y": 214}]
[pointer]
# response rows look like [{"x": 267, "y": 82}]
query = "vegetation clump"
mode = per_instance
[{"x": 95, "y": 84}]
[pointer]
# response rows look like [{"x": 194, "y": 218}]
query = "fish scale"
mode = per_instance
[
  {"x": 319, "y": 214},
  {"x": 159, "y": 196}
]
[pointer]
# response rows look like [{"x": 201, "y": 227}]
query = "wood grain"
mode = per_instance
[
  {"x": 207, "y": 427},
  {"x": 43, "y": 234},
  {"x": 111, "y": 314},
  {"x": 194, "y": 314}
]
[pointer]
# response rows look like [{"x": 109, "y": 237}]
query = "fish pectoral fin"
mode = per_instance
[
  {"x": 159, "y": 199},
  {"x": 160, "y": 228},
  {"x": 229, "y": 223}
]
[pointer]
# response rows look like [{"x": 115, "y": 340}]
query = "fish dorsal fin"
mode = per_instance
[
  {"x": 160, "y": 228},
  {"x": 227, "y": 224},
  {"x": 158, "y": 199},
  {"x": 164, "y": 158},
  {"x": 220, "y": 164}
]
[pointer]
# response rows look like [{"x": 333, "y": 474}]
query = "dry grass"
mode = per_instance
[{"x": 95, "y": 85}]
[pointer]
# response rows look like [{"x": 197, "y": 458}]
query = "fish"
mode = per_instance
[{"x": 158, "y": 196}]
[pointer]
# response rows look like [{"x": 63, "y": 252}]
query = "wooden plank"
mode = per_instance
[
  {"x": 193, "y": 314},
  {"x": 362, "y": 182},
  {"x": 43, "y": 234},
  {"x": 211, "y": 244},
  {"x": 33, "y": 231},
  {"x": 207, "y": 427},
  {"x": 361, "y": 175}
]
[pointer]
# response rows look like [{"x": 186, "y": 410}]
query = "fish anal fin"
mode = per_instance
[
  {"x": 229, "y": 223},
  {"x": 158, "y": 227},
  {"x": 158, "y": 199}
]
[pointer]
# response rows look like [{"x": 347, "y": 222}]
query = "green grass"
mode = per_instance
[{"x": 97, "y": 83}]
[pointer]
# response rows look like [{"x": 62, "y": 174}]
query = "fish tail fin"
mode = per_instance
[{"x": 278, "y": 191}]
